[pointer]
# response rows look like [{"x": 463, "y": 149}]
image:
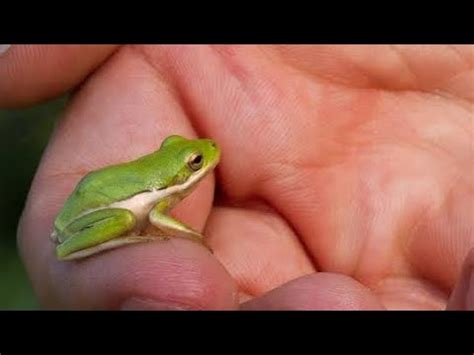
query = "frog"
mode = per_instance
[{"x": 111, "y": 207}]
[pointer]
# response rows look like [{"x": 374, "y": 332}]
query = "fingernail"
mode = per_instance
[
  {"x": 4, "y": 48},
  {"x": 141, "y": 304}
]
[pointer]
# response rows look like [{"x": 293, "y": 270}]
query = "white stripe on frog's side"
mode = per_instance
[{"x": 141, "y": 204}]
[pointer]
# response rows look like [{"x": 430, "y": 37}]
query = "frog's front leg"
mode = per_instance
[
  {"x": 95, "y": 232},
  {"x": 171, "y": 226}
]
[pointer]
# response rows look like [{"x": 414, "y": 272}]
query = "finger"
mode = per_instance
[
  {"x": 257, "y": 247},
  {"x": 162, "y": 275},
  {"x": 437, "y": 68},
  {"x": 124, "y": 111},
  {"x": 32, "y": 73},
  {"x": 320, "y": 291},
  {"x": 441, "y": 241},
  {"x": 462, "y": 297}
]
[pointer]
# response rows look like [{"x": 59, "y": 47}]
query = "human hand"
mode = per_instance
[{"x": 346, "y": 179}]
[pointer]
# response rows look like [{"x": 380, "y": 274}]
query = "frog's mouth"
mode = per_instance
[{"x": 189, "y": 185}]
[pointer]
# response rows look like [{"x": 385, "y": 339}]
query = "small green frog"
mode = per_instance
[{"x": 111, "y": 206}]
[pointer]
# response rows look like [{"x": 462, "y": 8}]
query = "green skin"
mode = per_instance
[{"x": 109, "y": 207}]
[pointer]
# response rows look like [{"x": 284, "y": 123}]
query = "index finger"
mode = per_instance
[{"x": 123, "y": 111}]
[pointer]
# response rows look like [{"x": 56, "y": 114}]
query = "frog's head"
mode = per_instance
[{"x": 190, "y": 159}]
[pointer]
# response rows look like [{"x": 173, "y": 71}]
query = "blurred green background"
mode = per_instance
[{"x": 24, "y": 134}]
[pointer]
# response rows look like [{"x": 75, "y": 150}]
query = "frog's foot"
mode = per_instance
[
  {"x": 171, "y": 227},
  {"x": 167, "y": 225},
  {"x": 165, "y": 233}
]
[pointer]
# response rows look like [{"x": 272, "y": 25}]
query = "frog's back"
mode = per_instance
[{"x": 99, "y": 189}]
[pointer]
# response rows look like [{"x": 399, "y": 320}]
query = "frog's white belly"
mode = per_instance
[{"x": 141, "y": 204}]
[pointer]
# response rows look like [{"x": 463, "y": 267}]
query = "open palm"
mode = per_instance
[{"x": 346, "y": 179}]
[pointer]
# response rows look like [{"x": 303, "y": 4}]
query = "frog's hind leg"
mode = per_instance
[
  {"x": 94, "y": 232},
  {"x": 111, "y": 244}
]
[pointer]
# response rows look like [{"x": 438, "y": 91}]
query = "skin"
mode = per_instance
[
  {"x": 112, "y": 206},
  {"x": 352, "y": 164}
]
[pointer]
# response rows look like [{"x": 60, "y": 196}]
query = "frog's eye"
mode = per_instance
[{"x": 195, "y": 161}]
